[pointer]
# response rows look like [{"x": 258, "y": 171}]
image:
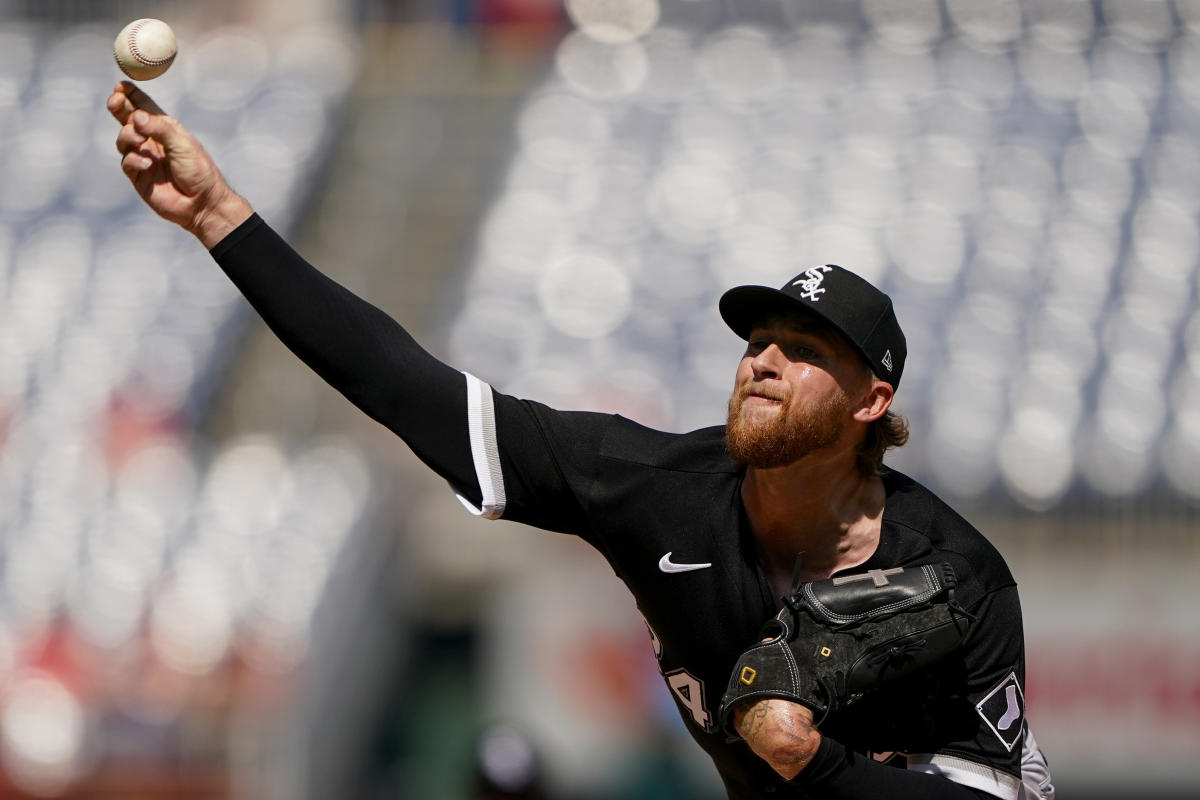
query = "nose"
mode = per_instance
[{"x": 767, "y": 362}]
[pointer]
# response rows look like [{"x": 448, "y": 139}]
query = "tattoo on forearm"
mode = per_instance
[
  {"x": 755, "y": 720},
  {"x": 787, "y": 742}
]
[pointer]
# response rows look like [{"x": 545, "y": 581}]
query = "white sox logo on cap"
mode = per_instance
[{"x": 811, "y": 281}]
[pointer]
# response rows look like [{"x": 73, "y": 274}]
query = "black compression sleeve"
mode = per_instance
[
  {"x": 836, "y": 773},
  {"x": 355, "y": 347}
]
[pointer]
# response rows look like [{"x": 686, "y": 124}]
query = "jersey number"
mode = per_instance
[{"x": 690, "y": 693}]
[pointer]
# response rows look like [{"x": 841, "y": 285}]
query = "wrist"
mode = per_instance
[
  {"x": 797, "y": 753},
  {"x": 217, "y": 220}
]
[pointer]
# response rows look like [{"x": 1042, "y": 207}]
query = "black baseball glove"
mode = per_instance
[{"x": 838, "y": 639}]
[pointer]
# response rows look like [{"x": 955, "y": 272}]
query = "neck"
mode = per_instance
[{"x": 824, "y": 507}]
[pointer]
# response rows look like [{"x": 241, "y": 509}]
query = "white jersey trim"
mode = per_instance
[
  {"x": 967, "y": 773},
  {"x": 485, "y": 452},
  {"x": 1034, "y": 783}
]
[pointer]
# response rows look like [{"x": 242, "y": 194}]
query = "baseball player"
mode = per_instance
[{"x": 705, "y": 528}]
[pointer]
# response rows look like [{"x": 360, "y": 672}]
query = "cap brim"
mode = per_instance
[{"x": 743, "y": 307}]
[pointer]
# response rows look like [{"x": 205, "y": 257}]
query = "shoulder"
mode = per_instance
[
  {"x": 927, "y": 522},
  {"x": 614, "y": 439},
  {"x": 701, "y": 450}
]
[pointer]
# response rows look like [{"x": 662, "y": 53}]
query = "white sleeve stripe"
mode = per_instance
[
  {"x": 967, "y": 773},
  {"x": 485, "y": 453}
]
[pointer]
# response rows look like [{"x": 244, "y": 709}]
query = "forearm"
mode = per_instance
[
  {"x": 354, "y": 346},
  {"x": 782, "y": 734}
]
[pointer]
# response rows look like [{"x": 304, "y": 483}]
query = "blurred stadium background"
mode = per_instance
[{"x": 217, "y": 580}]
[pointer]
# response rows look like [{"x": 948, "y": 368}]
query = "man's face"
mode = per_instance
[{"x": 792, "y": 393}]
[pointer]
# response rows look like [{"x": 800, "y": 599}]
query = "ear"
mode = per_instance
[{"x": 875, "y": 402}]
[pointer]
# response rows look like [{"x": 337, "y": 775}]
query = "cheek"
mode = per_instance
[
  {"x": 744, "y": 372},
  {"x": 803, "y": 379},
  {"x": 811, "y": 387},
  {"x": 803, "y": 371}
]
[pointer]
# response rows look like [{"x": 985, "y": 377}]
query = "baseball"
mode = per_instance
[{"x": 145, "y": 48}]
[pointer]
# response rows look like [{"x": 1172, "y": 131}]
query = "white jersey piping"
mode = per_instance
[
  {"x": 485, "y": 452},
  {"x": 1034, "y": 783}
]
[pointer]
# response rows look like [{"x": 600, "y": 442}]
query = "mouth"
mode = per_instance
[
  {"x": 763, "y": 399},
  {"x": 764, "y": 393}
]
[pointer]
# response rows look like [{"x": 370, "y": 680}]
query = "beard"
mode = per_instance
[{"x": 784, "y": 437}]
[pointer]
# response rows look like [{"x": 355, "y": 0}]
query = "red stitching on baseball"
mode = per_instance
[{"x": 149, "y": 62}]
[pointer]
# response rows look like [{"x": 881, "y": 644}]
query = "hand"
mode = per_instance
[
  {"x": 171, "y": 171},
  {"x": 780, "y": 732}
]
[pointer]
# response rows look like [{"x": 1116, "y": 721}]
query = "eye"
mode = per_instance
[
  {"x": 757, "y": 345},
  {"x": 802, "y": 350}
]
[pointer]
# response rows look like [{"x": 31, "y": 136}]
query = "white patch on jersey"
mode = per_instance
[{"x": 1003, "y": 709}]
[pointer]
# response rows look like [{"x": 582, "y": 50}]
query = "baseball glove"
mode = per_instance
[{"x": 838, "y": 639}]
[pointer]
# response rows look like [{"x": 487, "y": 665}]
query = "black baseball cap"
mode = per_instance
[{"x": 859, "y": 311}]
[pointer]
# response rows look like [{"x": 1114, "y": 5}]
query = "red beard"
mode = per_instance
[{"x": 785, "y": 437}]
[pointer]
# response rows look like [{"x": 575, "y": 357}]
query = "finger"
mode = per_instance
[
  {"x": 133, "y": 164},
  {"x": 162, "y": 129},
  {"x": 119, "y": 106},
  {"x": 127, "y": 98},
  {"x": 128, "y": 139},
  {"x": 139, "y": 99}
]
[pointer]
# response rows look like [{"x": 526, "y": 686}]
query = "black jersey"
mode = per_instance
[{"x": 665, "y": 510}]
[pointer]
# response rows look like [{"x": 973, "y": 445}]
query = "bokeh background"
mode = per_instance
[{"x": 218, "y": 580}]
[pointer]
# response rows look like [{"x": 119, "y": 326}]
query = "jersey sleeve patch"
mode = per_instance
[
  {"x": 1003, "y": 709},
  {"x": 485, "y": 452}
]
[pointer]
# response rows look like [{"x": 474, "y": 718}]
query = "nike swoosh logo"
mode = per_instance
[{"x": 667, "y": 565}]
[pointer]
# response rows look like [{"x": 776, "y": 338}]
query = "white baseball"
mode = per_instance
[{"x": 145, "y": 48}]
